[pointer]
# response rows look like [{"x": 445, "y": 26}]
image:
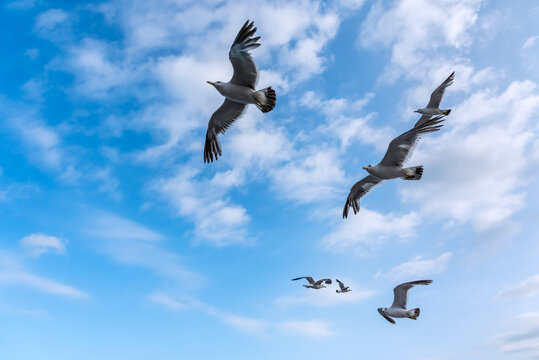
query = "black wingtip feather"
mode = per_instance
[
  {"x": 345, "y": 211},
  {"x": 212, "y": 148}
]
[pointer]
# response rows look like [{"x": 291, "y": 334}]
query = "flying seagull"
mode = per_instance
[
  {"x": 390, "y": 167},
  {"x": 344, "y": 289},
  {"x": 433, "y": 107},
  {"x": 398, "y": 309},
  {"x": 312, "y": 284},
  {"x": 238, "y": 92}
]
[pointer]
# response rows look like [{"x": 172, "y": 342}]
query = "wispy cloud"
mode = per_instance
[
  {"x": 524, "y": 339},
  {"x": 247, "y": 325},
  {"x": 370, "y": 229},
  {"x": 418, "y": 267},
  {"x": 403, "y": 32},
  {"x": 14, "y": 273},
  {"x": 129, "y": 243},
  {"x": 525, "y": 289},
  {"x": 310, "y": 179},
  {"x": 217, "y": 221},
  {"x": 167, "y": 301},
  {"x": 38, "y": 244}
]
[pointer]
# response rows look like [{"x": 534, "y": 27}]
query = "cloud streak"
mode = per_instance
[
  {"x": 247, "y": 325},
  {"x": 13, "y": 273}
]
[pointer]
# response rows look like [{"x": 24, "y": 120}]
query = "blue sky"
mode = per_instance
[{"x": 117, "y": 242}]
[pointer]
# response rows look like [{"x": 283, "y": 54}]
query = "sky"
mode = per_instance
[{"x": 118, "y": 242}]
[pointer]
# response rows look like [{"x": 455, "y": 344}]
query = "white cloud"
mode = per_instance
[
  {"x": 403, "y": 26},
  {"x": 244, "y": 324},
  {"x": 530, "y": 54},
  {"x": 343, "y": 122},
  {"x": 21, "y": 4},
  {"x": 525, "y": 289},
  {"x": 42, "y": 142},
  {"x": 38, "y": 244},
  {"x": 216, "y": 220},
  {"x": 13, "y": 273},
  {"x": 419, "y": 267},
  {"x": 248, "y": 325},
  {"x": 524, "y": 339},
  {"x": 369, "y": 230},
  {"x": 167, "y": 301},
  {"x": 110, "y": 226},
  {"x": 313, "y": 178},
  {"x": 259, "y": 143},
  {"x": 50, "y": 19},
  {"x": 99, "y": 70},
  {"x": 127, "y": 242},
  {"x": 311, "y": 328}
]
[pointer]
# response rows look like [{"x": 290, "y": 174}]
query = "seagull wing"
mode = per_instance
[
  {"x": 401, "y": 292},
  {"x": 423, "y": 119},
  {"x": 401, "y": 147},
  {"x": 357, "y": 191},
  {"x": 327, "y": 281},
  {"x": 341, "y": 285},
  {"x": 308, "y": 278},
  {"x": 436, "y": 96},
  {"x": 386, "y": 317},
  {"x": 220, "y": 121},
  {"x": 245, "y": 71}
]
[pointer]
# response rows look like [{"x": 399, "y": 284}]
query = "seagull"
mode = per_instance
[
  {"x": 314, "y": 285},
  {"x": 238, "y": 92},
  {"x": 344, "y": 289},
  {"x": 398, "y": 309},
  {"x": 390, "y": 167},
  {"x": 433, "y": 107}
]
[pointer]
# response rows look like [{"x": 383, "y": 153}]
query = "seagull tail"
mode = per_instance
[
  {"x": 212, "y": 148},
  {"x": 265, "y": 99},
  {"x": 413, "y": 173},
  {"x": 413, "y": 313},
  {"x": 446, "y": 112}
]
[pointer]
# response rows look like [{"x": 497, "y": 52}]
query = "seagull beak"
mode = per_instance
[
  {"x": 211, "y": 82},
  {"x": 364, "y": 168}
]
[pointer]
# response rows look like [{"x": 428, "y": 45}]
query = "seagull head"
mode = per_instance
[
  {"x": 382, "y": 310},
  {"x": 368, "y": 167},
  {"x": 416, "y": 110}
]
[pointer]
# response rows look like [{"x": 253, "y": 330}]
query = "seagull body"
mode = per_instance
[
  {"x": 238, "y": 92},
  {"x": 390, "y": 167},
  {"x": 398, "y": 308},
  {"x": 433, "y": 107},
  {"x": 393, "y": 172},
  {"x": 314, "y": 284},
  {"x": 344, "y": 289}
]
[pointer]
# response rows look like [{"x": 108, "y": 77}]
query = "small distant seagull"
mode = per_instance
[
  {"x": 398, "y": 309},
  {"x": 433, "y": 107},
  {"x": 344, "y": 289},
  {"x": 312, "y": 284},
  {"x": 238, "y": 92},
  {"x": 390, "y": 167}
]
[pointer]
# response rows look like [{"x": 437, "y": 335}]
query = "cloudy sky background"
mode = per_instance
[{"x": 118, "y": 242}]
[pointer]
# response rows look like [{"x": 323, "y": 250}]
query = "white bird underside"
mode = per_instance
[
  {"x": 238, "y": 92},
  {"x": 433, "y": 107},
  {"x": 400, "y": 299},
  {"x": 390, "y": 167}
]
